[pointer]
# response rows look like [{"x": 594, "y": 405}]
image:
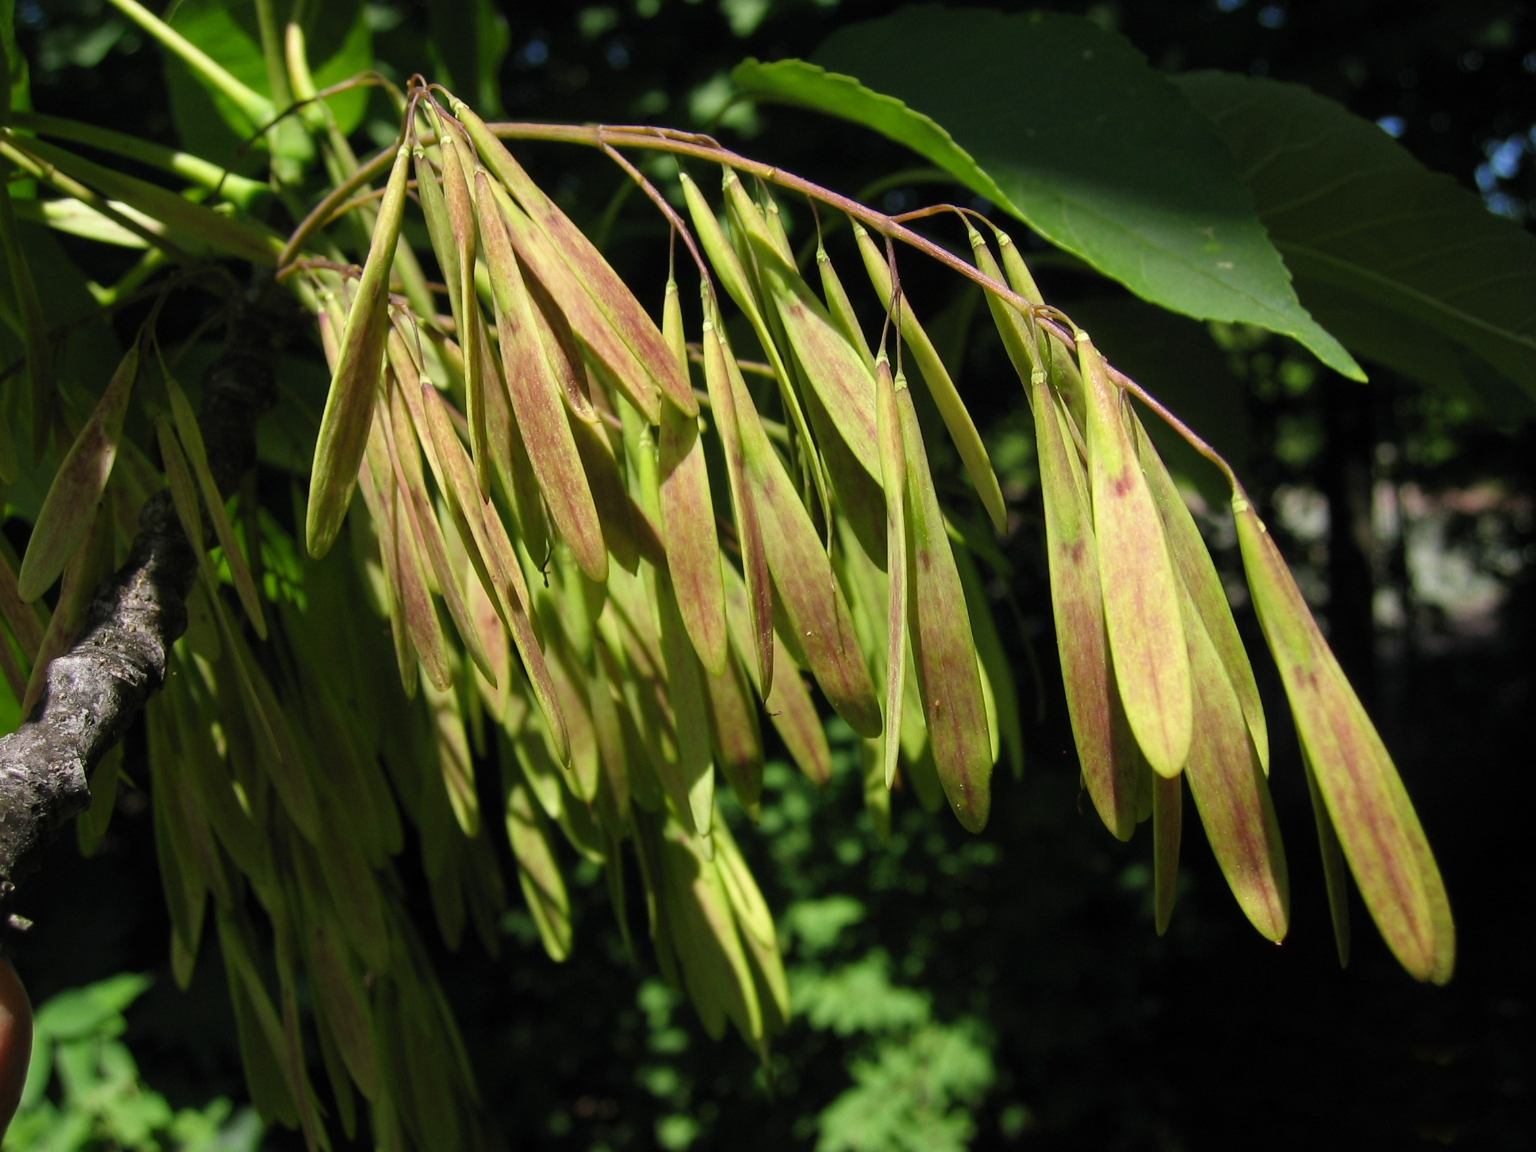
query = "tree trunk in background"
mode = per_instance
[{"x": 1346, "y": 481}]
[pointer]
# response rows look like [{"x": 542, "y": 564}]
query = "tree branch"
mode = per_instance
[{"x": 96, "y": 689}]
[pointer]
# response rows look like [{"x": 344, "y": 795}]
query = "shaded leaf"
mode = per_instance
[
  {"x": 994, "y": 661},
  {"x": 738, "y": 739},
  {"x": 87, "y": 566},
  {"x": 690, "y": 780},
  {"x": 538, "y": 873},
  {"x": 34, "y": 331},
  {"x": 70, "y": 505},
  {"x": 1167, "y": 824},
  {"x": 191, "y": 437},
  {"x": 1364, "y": 226},
  {"x": 340, "y": 994},
  {"x": 709, "y": 947},
  {"x": 470, "y": 50},
  {"x": 1335, "y": 876}
]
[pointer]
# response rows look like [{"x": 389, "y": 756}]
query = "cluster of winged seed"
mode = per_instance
[
  {"x": 1158, "y": 683},
  {"x": 599, "y": 577}
]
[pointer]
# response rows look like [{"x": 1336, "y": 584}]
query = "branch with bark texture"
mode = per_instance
[{"x": 96, "y": 689}]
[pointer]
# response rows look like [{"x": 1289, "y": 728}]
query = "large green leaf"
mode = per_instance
[
  {"x": 1067, "y": 127},
  {"x": 1379, "y": 245},
  {"x": 470, "y": 41},
  {"x": 1396, "y": 339},
  {"x": 339, "y": 42},
  {"x": 84, "y": 362},
  {"x": 96, "y": 1008}
]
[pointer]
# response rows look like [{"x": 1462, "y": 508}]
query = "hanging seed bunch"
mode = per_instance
[{"x": 603, "y": 560}]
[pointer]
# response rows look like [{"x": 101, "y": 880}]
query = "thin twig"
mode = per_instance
[
  {"x": 321, "y": 213},
  {"x": 1183, "y": 429},
  {"x": 45, "y": 171},
  {"x": 602, "y": 136},
  {"x": 666, "y": 209}
]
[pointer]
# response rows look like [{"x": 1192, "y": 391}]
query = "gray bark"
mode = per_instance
[{"x": 96, "y": 689}]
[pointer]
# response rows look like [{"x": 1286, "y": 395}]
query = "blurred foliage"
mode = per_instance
[{"x": 84, "y": 1092}]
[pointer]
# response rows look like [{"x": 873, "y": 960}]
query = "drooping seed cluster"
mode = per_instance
[{"x": 603, "y": 558}]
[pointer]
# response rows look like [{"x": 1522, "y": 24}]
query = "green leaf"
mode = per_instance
[
  {"x": 812, "y": 86},
  {"x": 469, "y": 51},
  {"x": 858, "y": 997},
  {"x": 1100, "y": 154},
  {"x": 340, "y": 46},
  {"x": 1366, "y": 228},
  {"x": 339, "y": 43},
  {"x": 14, "y": 87},
  {"x": 1377, "y": 332},
  {"x": 97, "y": 1008},
  {"x": 72, "y": 498},
  {"x": 818, "y": 924},
  {"x": 915, "y": 1091}
]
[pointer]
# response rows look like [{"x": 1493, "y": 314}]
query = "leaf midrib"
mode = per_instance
[{"x": 1140, "y": 240}]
